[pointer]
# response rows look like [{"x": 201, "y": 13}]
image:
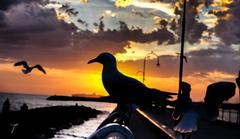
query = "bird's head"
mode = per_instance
[{"x": 104, "y": 58}]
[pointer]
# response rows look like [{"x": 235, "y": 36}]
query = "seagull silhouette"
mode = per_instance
[
  {"x": 191, "y": 113},
  {"x": 27, "y": 69},
  {"x": 124, "y": 89}
]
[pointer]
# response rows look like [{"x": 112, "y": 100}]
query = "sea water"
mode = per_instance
[{"x": 75, "y": 132}]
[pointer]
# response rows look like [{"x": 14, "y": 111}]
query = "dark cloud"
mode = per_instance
[
  {"x": 36, "y": 35},
  {"x": 162, "y": 35},
  {"x": 67, "y": 9},
  {"x": 222, "y": 58},
  {"x": 2, "y": 17},
  {"x": 227, "y": 26},
  {"x": 194, "y": 28},
  {"x": 28, "y": 23},
  {"x": 219, "y": 51},
  {"x": 6, "y": 4}
]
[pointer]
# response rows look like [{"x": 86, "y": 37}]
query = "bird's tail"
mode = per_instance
[{"x": 158, "y": 94}]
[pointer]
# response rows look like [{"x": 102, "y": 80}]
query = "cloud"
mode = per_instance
[
  {"x": 222, "y": 58},
  {"x": 28, "y": 22},
  {"x": 212, "y": 52},
  {"x": 162, "y": 35},
  {"x": 227, "y": 26},
  {"x": 5, "y": 4},
  {"x": 194, "y": 28},
  {"x": 34, "y": 33}
]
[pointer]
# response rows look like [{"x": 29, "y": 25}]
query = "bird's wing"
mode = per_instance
[
  {"x": 134, "y": 89},
  {"x": 23, "y": 63},
  {"x": 161, "y": 94},
  {"x": 39, "y": 67},
  {"x": 129, "y": 84},
  {"x": 188, "y": 123},
  {"x": 122, "y": 86}
]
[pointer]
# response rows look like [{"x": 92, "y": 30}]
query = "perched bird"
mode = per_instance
[
  {"x": 192, "y": 112},
  {"x": 124, "y": 89},
  {"x": 28, "y": 69}
]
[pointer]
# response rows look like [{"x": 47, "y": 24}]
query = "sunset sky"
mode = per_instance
[{"x": 62, "y": 35}]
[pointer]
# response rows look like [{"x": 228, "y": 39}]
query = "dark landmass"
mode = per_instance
[
  {"x": 109, "y": 99},
  {"x": 42, "y": 123},
  {"x": 78, "y": 98}
]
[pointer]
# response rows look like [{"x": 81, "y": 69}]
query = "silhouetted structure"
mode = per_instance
[
  {"x": 238, "y": 80},
  {"x": 183, "y": 104},
  {"x": 238, "y": 84},
  {"x": 6, "y": 106},
  {"x": 126, "y": 90},
  {"x": 184, "y": 101},
  {"x": 43, "y": 123},
  {"x": 27, "y": 69},
  {"x": 24, "y": 107},
  {"x": 215, "y": 95}
]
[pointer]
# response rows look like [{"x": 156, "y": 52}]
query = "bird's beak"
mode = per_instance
[{"x": 92, "y": 61}]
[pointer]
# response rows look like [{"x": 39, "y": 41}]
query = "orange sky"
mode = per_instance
[
  {"x": 62, "y": 36},
  {"x": 68, "y": 82}
]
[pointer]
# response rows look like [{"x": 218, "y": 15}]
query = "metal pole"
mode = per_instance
[
  {"x": 182, "y": 47},
  {"x": 144, "y": 63}
]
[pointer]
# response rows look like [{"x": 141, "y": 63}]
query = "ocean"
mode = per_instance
[{"x": 75, "y": 132}]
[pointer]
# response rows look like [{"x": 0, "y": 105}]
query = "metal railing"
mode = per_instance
[{"x": 230, "y": 113}]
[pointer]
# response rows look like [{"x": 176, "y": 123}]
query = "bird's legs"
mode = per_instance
[{"x": 121, "y": 115}]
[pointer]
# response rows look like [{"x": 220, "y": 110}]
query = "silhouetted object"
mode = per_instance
[
  {"x": 28, "y": 69},
  {"x": 13, "y": 127},
  {"x": 112, "y": 131},
  {"x": 215, "y": 95},
  {"x": 6, "y": 106},
  {"x": 184, "y": 101},
  {"x": 238, "y": 80},
  {"x": 184, "y": 57},
  {"x": 125, "y": 89},
  {"x": 24, "y": 108},
  {"x": 121, "y": 115},
  {"x": 238, "y": 84},
  {"x": 183, "y": 104}
]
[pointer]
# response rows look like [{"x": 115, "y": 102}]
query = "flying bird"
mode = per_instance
[
  {"x": 192, "y": 112},
  {"x": 124, "y": 89},
  {"x": 27, "y": 69}
]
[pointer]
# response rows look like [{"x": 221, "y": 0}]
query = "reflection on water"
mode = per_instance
[
  {"x": 81, "y": 131},
  {"x": 78, "y": 131}
]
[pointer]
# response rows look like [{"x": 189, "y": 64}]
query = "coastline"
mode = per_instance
[{"x": 43, "y": 122}]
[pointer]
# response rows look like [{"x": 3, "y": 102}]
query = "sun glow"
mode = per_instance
[
  {"x": 62, "y": 16},
  {"x": 56, "y": 81},
  {"x": 123, "y": 3}
]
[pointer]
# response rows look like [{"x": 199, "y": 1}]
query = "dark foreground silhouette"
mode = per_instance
[
  {"x": 127, "y": 92},
  {"x": 42, "y": 123},
  {"x": 188, "y": 114},
  {"x": 124, "y": 89},
  {"x": 27, "y": 69}
]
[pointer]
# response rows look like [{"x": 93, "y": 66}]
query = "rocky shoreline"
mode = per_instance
[{"x": 42, "y": 123}]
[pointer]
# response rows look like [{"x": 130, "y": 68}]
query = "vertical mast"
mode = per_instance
[{"x": 182, "y": 47}]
